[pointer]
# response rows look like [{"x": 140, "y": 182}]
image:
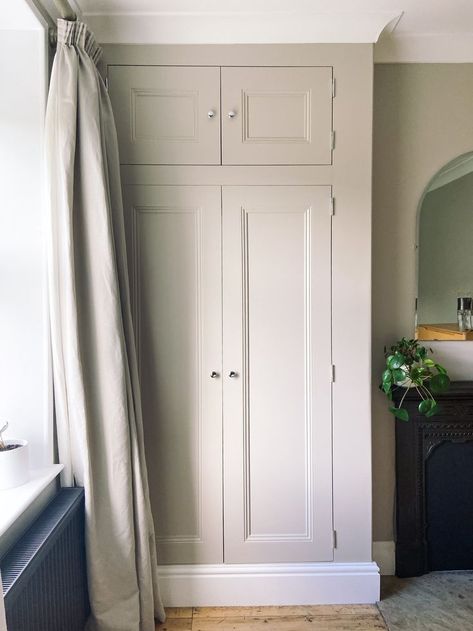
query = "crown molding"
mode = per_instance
[
  {"x": 268, "y": 27},
  {"x": 278, "y": 27}
]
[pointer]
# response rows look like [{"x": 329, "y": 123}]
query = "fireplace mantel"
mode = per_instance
[{"x": 416, "y": 440}]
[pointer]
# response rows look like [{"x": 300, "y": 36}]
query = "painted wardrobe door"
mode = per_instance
[
  {"x": 166, "y": 115},
  {"x": 277, "y": 382},
  {"x": 277, "y": 115},
  {"x": 174, "y": 245}
]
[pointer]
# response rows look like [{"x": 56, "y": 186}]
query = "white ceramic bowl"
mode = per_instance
[{"x": 14, "y": 465}]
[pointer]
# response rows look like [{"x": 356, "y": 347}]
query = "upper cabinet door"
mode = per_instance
[
  {"x": 277, "y": 115},
  {"x": 166, "y": 115}
]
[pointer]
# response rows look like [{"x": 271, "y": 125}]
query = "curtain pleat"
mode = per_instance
[{"x": 97, "y": 394}]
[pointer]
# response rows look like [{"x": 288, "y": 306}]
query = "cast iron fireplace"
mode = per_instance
[{"x": 434, "y": 485}]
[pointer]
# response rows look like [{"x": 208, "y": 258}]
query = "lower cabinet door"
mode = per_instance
[
  {"x": 277, "y": 374},
  {"x": 174, "y": 249}
]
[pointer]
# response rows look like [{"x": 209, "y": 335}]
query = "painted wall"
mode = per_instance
[
  {"x": 24, "y": 377},
  {"x": 445, "y": 250},
  {"x": 423, "y": 118}
]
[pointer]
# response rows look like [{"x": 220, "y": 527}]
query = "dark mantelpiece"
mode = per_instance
[{"x": 416, "y": 441}]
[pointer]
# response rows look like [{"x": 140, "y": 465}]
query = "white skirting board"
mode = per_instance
[
  {"x": 269, "y": 584},
  {"x": 384, "y": 555}
]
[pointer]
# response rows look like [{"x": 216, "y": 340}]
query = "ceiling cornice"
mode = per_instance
[
  {"x": 240, "y": 27},
  {"x": 285, "y": 27}
]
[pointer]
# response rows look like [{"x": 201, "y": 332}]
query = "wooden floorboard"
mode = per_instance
[
  {"x": 304, "y": 618},
  {"x": 289, "y": 623},
  {"x": 301, "y": 610},
  {"x": 179, "y": 612},
  {"x": 175, "y": 624}
]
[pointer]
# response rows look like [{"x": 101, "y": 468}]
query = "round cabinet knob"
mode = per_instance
[
  {"x": 211, "y": 114},
  {"x": 231, "y": 114},
  {"x": 214, "y": 374},
  {"x": 233, "y": 374}
]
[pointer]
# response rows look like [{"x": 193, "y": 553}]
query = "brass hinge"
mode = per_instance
[
  {"x": 335, "y": 539},
  {"x": 332, "y": 373},
  {"x": 332, "y": 140},
  {"x": 332, "y": 205}
]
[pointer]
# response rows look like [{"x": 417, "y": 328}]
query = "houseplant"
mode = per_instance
[
  {"x": 409, "y": 366},
  {"x": 14, "y": 469}
]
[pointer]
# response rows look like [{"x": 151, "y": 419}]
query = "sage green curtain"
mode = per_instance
[{"x": 96, "y": 387}]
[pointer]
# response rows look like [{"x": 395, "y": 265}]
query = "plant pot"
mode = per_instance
[
  {"x": 14, "y": 465},
  {"x": 405, "y": 383}
]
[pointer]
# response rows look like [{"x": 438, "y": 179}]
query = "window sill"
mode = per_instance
[{"x": 15, "y": 502}]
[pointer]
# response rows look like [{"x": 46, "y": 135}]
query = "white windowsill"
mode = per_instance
[{"x": 14, "y": 502}]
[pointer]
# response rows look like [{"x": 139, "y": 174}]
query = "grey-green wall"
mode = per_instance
[
  {"x": 445, "y": 250},
  {"x": 423, "y": 118}
]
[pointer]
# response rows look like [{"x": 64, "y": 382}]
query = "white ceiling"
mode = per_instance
[{"x": 419, "y": 30}]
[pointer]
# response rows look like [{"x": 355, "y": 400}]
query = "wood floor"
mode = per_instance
[{"x": 314, "y": 618}]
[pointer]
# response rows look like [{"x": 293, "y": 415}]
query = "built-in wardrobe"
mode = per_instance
[{"x": 246, "y": 179}]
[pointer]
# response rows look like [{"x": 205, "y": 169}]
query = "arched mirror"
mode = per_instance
[{"x": 445, "y": 254}]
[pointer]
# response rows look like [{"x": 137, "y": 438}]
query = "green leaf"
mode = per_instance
[
  {"x": 386, "y": 387},
  {"x": 426, "y": 405},
  {"x": 400, "y": 413},
  {"x": 418, "y": 374},
  {"x": 395, "y": 361},
  {"x": 387, "y": 376},
  {"x": 429, "y": 362},
  {"x": 440, "y": 369},
  {"x": 439, "y": 383},
  {"x": 421, "y": 352},
  {"x": 399, "y": 375},
  {"x": 433, "y": 410}
]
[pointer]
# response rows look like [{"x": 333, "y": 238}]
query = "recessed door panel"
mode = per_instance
[
  {"x": 174, "y": 248},
  {"x": 277, "y": 387},
  {"x": 277, "y": 115},
  {"x": 166, "y": 115}
]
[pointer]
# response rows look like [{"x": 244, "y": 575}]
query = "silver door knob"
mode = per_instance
[
  {"x": 214, "y": 374},
  {"x": 233, "y": 374},
  {"x": 231, "y": 114},
  {"x": 210, "y": 114}
]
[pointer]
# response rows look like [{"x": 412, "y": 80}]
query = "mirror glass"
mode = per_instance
[{"x": 445, "y": 254}]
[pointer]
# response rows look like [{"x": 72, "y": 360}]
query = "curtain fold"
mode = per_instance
[{"x": 96, "y": 387}]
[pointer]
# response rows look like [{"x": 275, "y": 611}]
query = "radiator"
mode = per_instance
[{"x": 44, "y": 573}]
